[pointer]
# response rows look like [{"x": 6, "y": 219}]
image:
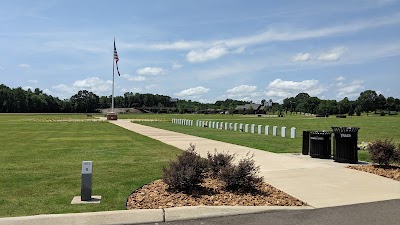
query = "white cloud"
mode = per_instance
[
  {"x": 179, "y": 45},
  {"x": 349, "y": 89},
  {"x": 133, "y": 78},
  {"x": 332, "y": 55},
  {"x": 215, "y": 52},
  {"x": 33, "y": 81},
  {"x": 340, "y": 78},
  {"x": 239, "y": 50},
  {"x": 176, "y": 66},
  {"x": 151, "y": 86},
  {"x": 28, "y": 87},
  {"x": 243, "y": 92},
  {"x": 151, "y": 71},
  {"x": 277, "y": 34},
  {"x": 63, "y": 91},
  {"x": 93, "y": 84},
  {"x": 240, "y": 89},
  {"x": 283, "y": 89},
  {"x": 24, "y": 66},
  {"x": 133, "y": 90},
  {"x": 193, "y": 92},
  {"x": 301, "y": 57}
]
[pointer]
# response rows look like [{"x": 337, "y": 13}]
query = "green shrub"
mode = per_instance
[
  {"x": 242, "y": 177},
  {"x": 186, "y": 173},
  {"x": 382, "y": 152},
  {"x": 218, "y": 161}
]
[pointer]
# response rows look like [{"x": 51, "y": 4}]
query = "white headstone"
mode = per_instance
[
  {"x": 226, "y": 126},
  {"x": 213, "y": 124},
  {"x": 293, "y": 132},
  {"x": 241, "y": 127},
  {"x": 259, "y": 129},
  {"x": 275, "y": 130},
  {"x": 253, "y": 128},
  {"x": 266, "y": 129},
  {"x": 246, "y": 128},
  {"x": 230, "y": 126},
  {"x": 235, "y": 127},
  {"x": 283, "y": 132},
  {"x": 217, "y": 125}
]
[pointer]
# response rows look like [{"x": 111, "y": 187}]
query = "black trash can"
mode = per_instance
[
  {"x": 320, "y": 144},
  {"x": 306, "y": 142},
  {"x": 345, "y": 144}
]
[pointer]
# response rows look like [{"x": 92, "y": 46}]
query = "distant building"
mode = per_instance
[{"x": 256, "y": 108}]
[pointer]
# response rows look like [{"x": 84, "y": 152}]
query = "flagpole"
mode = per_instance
[{"x": 112, "y": 98}]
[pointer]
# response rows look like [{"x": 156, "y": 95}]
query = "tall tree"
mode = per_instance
[{"x": 367, "y": 100}]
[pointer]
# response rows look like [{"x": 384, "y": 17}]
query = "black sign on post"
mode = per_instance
[{"x": 86, "y": 185}]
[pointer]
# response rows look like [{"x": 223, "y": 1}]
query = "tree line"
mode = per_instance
[
  {"x": 18, "y": 100},
  {"x": 368, "y": 101}
]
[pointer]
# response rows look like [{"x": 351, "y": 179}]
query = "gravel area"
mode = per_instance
[
  {"x": 156, "y": 195},
  {"x": 392, "y": 172}
]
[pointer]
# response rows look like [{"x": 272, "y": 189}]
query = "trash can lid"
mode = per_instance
[
  {"x": 321, "y": 132},
  {"x": 345, "y": 129}
]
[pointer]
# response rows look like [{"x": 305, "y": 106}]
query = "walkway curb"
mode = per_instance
[{"x": 139, "y": 216}]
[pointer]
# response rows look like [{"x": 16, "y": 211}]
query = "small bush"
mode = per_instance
[
  {"x": 382, "y": 152},
  {"x": 242, "y": 177},
  {"x": 217, "y": 162},
  {"x": 396, "y": 155},
  {"x": 186, "y": 173}
]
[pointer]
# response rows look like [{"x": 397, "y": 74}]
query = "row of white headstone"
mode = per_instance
[
  {"x": 183, "y": 122},
  {"x": 237, "y": 127}
]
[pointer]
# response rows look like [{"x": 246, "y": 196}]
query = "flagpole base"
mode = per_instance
[{"x": 112, "y": 116}]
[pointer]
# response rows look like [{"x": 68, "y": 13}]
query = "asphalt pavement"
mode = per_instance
[{"x": 384, "y": 212}]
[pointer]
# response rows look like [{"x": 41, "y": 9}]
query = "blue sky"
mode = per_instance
[{"x": 204, "y": 50}]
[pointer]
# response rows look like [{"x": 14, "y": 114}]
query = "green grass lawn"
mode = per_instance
[
  {"x": 40, "y": 163},
  {"x": 372, "y": 127}
]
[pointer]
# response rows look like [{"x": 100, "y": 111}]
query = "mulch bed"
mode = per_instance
[
  {"x": 156, "y": 195},
  {"x": 392, "y": 172}
]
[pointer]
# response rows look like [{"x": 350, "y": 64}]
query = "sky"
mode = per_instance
[{"x": 204, "y": 50}]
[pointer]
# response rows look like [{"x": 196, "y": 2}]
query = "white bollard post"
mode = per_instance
[
  {"x": 275, "y": 130},
  {"x": 226, "y": 125},
  {"x": 253, "y": 128},
  {"x": 217, "y": 125},
  {"x": 259, "y": 129},
  {"x": 283, "y": 132},
  {"x": 197, "y": 123},
  {"x": 235, "y": 127},
  {"x": 293, "y": 132},
  {"x": 241, "y": 127},
  {"x": 230, "y": 126},
  {"x": 266, "y": 129},
  {"x": 213, "y": 124},
  {"x": 246, "y": 128}
]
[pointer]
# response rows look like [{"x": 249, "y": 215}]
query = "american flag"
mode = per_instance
[{"x": 116, "y": 58}]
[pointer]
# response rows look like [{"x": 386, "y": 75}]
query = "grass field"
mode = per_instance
[
  {"x": 371, "y": 128},
  {"x": 40, "y": 163},
  {"x": 41, "y": 155}
]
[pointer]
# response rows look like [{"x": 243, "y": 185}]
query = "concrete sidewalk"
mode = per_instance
[{"x": 319, "y": 183}]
